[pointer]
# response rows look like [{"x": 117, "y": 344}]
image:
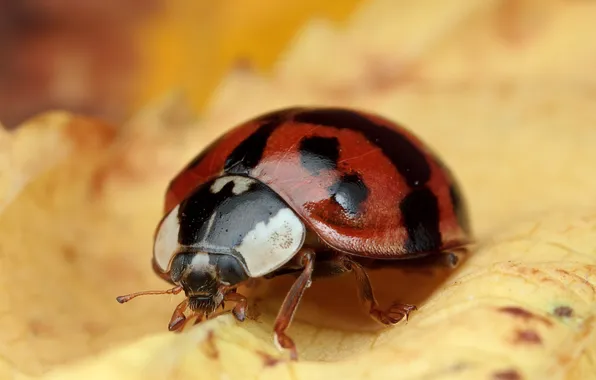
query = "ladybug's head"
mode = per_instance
[
  {"x": 206, "y": 277},
  {"x": 226, "y": 231}
]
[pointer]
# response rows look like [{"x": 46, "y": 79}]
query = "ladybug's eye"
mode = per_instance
[
  {"x": 229, "y": 269},
  {"x": 179, "y": 265}
]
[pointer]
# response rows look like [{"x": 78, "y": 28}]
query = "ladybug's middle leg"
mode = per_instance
[
  {"x": 306, "y": 258},
  {"x": 239, "y": 310},
  {"x": 390, "y": 316}
]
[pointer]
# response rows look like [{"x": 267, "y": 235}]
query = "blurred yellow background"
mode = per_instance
[
  {"x": 108, "y": 58},
  {"x": 502, "y": 89},
  {"x": 193, "y": 43}
]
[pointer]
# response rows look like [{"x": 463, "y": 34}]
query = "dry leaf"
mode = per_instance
[
  {"x": 76, "y": 227},
  {"x": 522, "y": 304}
]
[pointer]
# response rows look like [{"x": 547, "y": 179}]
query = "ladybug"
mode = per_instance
[{"x": 305, "y": 191}]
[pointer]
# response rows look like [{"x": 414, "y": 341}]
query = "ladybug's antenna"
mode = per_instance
[{"x": 128, "y": 297}]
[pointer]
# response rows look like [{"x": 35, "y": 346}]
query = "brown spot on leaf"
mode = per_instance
[
  {"x": 509, "y": 374},
  {"x": 524, "y": 314},
  {"x": 40, "y": 328},
  {"x": 534, "y": 272},
  {"x": 89, "y": 133},
  {"x": 243, "y": 64},
  {"x": 517, "y": 21},
  {"x": 209, "y": 346},
  {"x": 563, "y": 312},
  {"x": 269, "y": 360},
  {"x": 517, "y": 311},
  {"x": 508, "y": 15},
  {"x": 527, "y": 336},
  {"x": 95, "y": 328},
  {"x": 564, "y": 359},
  {"x": 70, "y": 254},
  {"x": 576, "y": 277},
  {"x": 99, "y": 180}
]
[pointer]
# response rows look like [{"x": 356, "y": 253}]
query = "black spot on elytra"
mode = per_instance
[
  {"x": 319, "y": 153},
  {"x": 349, "y": 192},
  {"x": 248, "y": 153},
  {"x": 420, "y": 212},
  {"x": 405, "y": 156},
  {"x": 459, "y": 208}
]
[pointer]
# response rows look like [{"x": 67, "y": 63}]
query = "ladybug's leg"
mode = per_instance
[
  {"x": 239, "y": 309},
  {"x": 451, "y": 259},
  {"x": 393, "y": 314},
  {"x": 178, "y": 319},
  {"x": 286, "y": 313}
]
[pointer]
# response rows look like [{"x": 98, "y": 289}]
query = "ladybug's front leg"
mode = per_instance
[
  {"x": 178, "y": 319},
  {"x": 306, "y": 258},
  {"x": 390, "y": 316}
]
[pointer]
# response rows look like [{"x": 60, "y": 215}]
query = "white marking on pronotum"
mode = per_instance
[
  {"x": 166, "y": 240},
  {"x": 200, "y": 261},
  {"x": 241, "y": 184},
  {"x": 272, "y": 243}
]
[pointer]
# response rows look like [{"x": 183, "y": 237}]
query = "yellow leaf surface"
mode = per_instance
[{"x": 76, "y": 222}]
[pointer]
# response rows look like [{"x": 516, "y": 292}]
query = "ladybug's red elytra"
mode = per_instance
[{"x": 306, "y": 191}]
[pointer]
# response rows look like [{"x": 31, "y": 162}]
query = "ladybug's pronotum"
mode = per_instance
[{"x": 305, "y": 191}]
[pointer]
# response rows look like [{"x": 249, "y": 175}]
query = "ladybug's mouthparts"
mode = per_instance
[{"x": 203, "y": 303}]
